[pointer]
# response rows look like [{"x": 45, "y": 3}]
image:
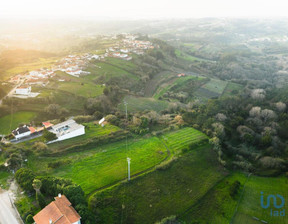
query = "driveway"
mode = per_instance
[{"x": 8, "y": 214}]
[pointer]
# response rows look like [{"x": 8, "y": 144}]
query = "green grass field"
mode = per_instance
[
  {"x": 178, "y": 83},
  {"x": 182, "y": 138},
  {"x": 12, "y": 121},
  {"x": 231, "y": 89},
  {"x": 161, "y": 193},
  {"x": 107, "y": 70},
  {"x": 127, "y": 65},
  {"x": 217, "y": 206},
  {"x": 214, "y": 88},
  {"x": 250, "y": 203},
  {"x": 187, "y": 57},
  {"x": 141, "y": 103},
  {"x": 82, "y": 89},
  {"x": 106, "y": 164},
  {"x": 158, "y": 80}
]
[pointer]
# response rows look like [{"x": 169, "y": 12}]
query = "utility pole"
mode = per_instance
[
  {"x": 125, "y": 103},
  {"x": 128, "y": 160}
]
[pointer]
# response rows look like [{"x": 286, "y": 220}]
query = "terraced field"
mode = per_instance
[
  {"x": 141, "y": 103},
  {"x": 231, "y": 89},
  {"x": 214, "y": 88},
  {"x": 178, "y": 83},
  {"x": 183, "y": 138}
]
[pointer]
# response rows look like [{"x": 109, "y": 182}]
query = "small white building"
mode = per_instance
[
  {"x": 23, "y": 90},
  {"x": 67, "y": 129}
]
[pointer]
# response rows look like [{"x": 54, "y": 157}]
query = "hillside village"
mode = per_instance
[{"x": 75, "y": 65}]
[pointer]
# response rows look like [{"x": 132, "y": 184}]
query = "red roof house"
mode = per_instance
[{"x": 59, "y": 211}]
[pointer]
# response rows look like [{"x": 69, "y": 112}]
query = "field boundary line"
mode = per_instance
[{"x": 238, "y": 203}]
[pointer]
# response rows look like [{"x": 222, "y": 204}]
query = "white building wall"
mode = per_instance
[
  {"x": 79, "y": 222},
  {"x": 26, "y": 91},
  {"x": 78, "y": 132},
  {"x": 23, "y": 135}
]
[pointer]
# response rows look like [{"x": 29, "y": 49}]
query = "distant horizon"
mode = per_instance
[{"x": 133, "y": 10}]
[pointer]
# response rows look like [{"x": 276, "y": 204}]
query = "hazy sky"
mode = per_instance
[{"x": 142, "y": 9}]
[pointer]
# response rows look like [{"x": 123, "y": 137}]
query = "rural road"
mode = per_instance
[
  {"x": 11, "y": 93},
  {"x": 8, "y": 214}
]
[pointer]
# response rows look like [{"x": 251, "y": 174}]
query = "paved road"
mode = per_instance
[{"x": 8, "y": 214}]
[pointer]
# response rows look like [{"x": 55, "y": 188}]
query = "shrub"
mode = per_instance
[
  {"x": 29, "y": 219},
  {"x": 234, "y": 188},
  {"x": 49, "y": 136},
  {"x": 58, "y": 163},
  {"x": 25, "y": 178}
]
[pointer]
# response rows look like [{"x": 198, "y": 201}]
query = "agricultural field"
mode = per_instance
[
  {"x": 82, "y": 89},
  {"x": 157, "y": 80},
  {"x": 217, "y": 206},
  {"x": 107, "y": 70},
  {"x": 141, "y": 103},
  {"x": 232, "y": 89},
  {"x": 103, "y": 165},
  {"x": 178, "y": 84},
  {"x": 182, "y": 138},
  {"x": 126, "y": 65},
  {"x": 187, "y": 57},
  {"x": 214, "y": 88},
  {"x": 169, "y": 190},
  {"x": 250, "y": 203},
  {"x": 12, "y": 121}
]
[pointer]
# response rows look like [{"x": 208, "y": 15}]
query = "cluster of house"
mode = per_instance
[
  {"x": 39, "y": 77},
  {"x": 128, "y": 45},
  {"x": 75, "y": 64},
  {"x": 65, "y": 130},
  {"x": 58, "y": 211}
]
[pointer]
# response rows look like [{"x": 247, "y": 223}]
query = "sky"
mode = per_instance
[{"x": 147, "y": 9}]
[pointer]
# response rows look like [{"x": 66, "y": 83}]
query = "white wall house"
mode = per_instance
[
  {"x": 21, "y": 132},
  {"x": 67, "y": 129},
  {"x": 23, "y": 90}
]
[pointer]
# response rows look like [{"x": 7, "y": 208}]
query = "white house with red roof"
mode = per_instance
[{"x": 59, "y": 211}]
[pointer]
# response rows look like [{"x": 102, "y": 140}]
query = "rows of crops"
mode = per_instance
[{"x": 183, "y": 138}]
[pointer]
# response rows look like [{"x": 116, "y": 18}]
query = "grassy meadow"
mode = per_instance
[
  {"x": 231, "y": 89},
  {"x": 164, "y": 192},
  {"x": 12, "y": 121},
  {"x": 103, "y": 165},
  {"x": 142, "y": 103},
  {"x": 214, "y": 88}
]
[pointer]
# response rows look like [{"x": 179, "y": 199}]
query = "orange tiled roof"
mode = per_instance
[
  {"x": 32, "y": 129},
  {"x": 47, "y": 124},
  {"x": 59, "y": 211}
]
